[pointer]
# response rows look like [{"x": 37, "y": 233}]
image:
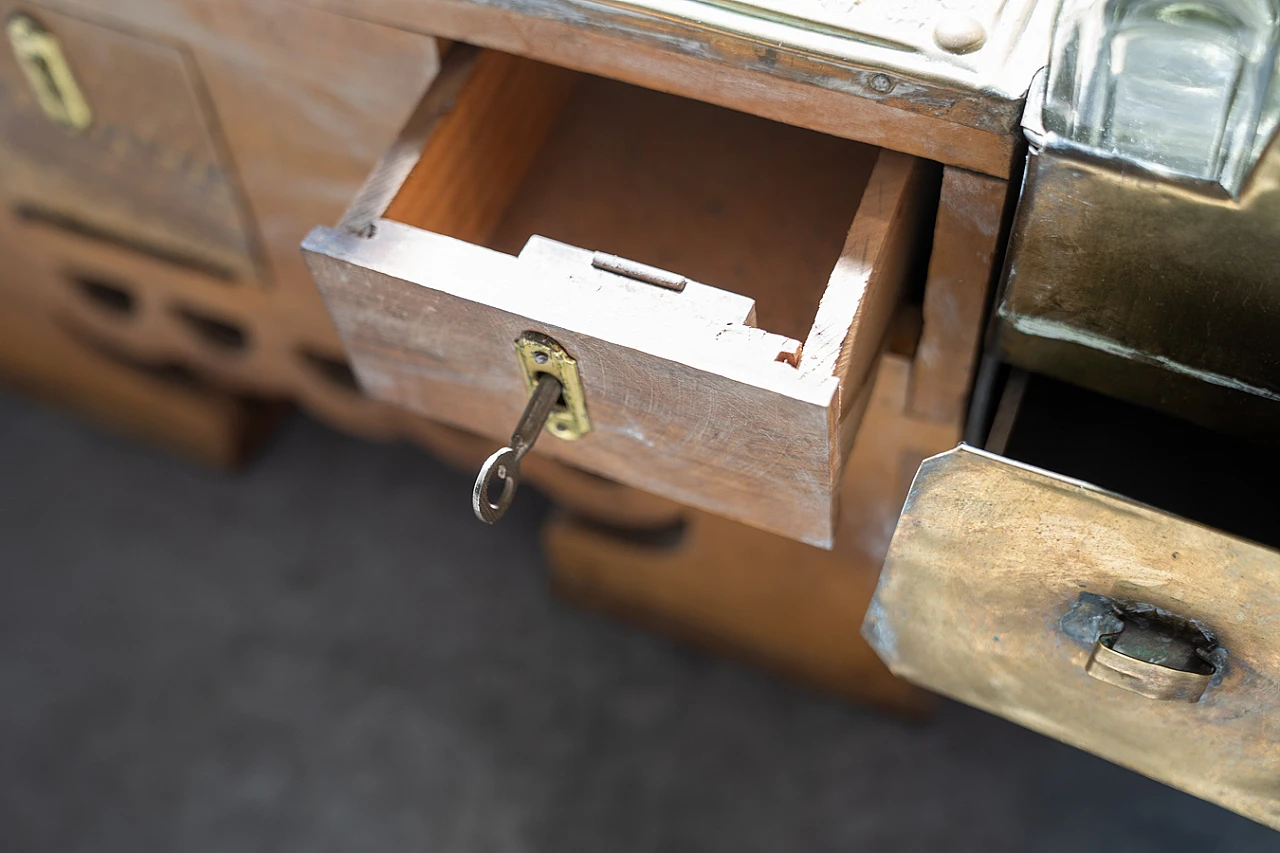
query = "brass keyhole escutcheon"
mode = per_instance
[
  {"x": 556, "y": 404},
  {"x": 48, "y": 73},
  {"x": 540, "y": 355}
]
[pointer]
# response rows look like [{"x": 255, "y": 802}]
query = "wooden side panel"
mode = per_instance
[
  {"x": 307, "y": 102},
  {"x": 972, "y": 213},
  {"x": 479, "y": 148},
  {"x": 770, "y": 600},
  {"x": 869, "y": 278}
]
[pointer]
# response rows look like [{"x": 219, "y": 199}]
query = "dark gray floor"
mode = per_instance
[{"x": 327, "y": 652}]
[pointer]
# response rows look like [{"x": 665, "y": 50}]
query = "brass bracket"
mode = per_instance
[
  {"x": 539, "y": 354},
  {"x": 45, "y": 66}
]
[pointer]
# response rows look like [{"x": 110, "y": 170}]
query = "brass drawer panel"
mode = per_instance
[
  {"x": 1003, "y": 581},
  {"x": 481, "y": 224}
]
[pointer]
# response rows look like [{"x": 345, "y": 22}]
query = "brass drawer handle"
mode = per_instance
[{"x": 1149, "y": 659}]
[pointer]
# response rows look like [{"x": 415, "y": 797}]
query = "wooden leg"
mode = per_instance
[{"x": 165, "y": 406}]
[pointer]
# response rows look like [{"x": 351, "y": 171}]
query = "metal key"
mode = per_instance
[{"x": 505, "y": 464}]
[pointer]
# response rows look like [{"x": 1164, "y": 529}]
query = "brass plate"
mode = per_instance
[
  {"x": 47, "y": 72},
  {"x": 540, "y": 354},
  {"x": 979, "y": 599},
  {"x": 1173, "y": 306}
]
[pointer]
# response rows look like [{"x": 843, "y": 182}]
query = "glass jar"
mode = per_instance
[{"x": 1180, "y": 87}]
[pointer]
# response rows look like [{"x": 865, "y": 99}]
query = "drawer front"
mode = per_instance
[
  {"x": 144, "y": 167},
  {"x": 440, "y": 266},
  {"x": 1015, "y": 590}
]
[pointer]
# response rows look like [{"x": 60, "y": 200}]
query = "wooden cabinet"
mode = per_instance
[{"x": 840, "y": 212}]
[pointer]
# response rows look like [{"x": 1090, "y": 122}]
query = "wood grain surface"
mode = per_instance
[
  {"x": 290, "y": 105},
  {"x": 866, "y": 287},
  {"x": 758, "y": 208},
  {"x": 969, "y": 236},
  {"x": 483, "y": 142},
  {"x": 694, "y": 408}
]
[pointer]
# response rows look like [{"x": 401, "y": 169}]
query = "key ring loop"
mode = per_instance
[{"x": 503, "y": 465}]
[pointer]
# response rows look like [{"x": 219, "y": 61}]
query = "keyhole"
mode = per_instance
[
  {"x": 560, "y": 405},
  {"x": 46, "y": 75}
]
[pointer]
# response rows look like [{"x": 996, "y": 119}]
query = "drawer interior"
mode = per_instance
[
  {"x": 1193, "y": 472},
  {"x": 742, "y": 203}
]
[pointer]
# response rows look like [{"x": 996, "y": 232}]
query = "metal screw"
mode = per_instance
[
  {"x": 881, "y": 83},
  {"x": 540, "y": 357}
]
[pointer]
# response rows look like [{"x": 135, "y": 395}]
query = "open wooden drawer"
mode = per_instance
[
  {"x": 483, "y": 223},
  {"x": 1119, "y": 628}
]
